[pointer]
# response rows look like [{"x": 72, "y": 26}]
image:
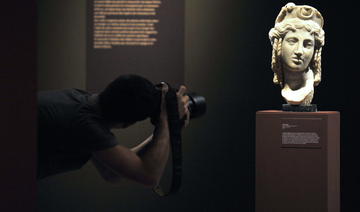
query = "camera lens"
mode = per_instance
[{"x": 197, "y": 105}]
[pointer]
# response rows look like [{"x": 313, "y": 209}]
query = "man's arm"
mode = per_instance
[
  {"x": 110, "y": 175},
  {"x": 106, "y": 172},
  {"x": 142, "y": 145},
  {"x": 147, "y": 166}
]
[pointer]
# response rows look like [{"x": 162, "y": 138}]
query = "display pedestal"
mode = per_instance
[{"x": 297, "y": 161}]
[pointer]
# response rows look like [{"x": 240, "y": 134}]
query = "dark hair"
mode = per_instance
[{"x": 129, "y": 98}]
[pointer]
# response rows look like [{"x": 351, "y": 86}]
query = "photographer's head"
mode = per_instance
[{"x": 128, "y": 99}]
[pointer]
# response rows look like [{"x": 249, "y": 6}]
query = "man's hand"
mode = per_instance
[
  {"x": 183, "y": 104},
  {"x": 163, "y": 112}
]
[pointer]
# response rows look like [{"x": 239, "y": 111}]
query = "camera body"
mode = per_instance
[{"x": 197, "y": 103}]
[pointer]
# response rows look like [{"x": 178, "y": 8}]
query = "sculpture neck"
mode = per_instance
[
  {"x": 298, "y": 87},
  {"x": 296, "y": 80}
]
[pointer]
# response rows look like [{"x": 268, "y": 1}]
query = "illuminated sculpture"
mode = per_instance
[{"x": 297, "y": 39}]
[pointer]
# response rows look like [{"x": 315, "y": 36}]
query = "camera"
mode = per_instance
[
  {"x": 197, "y": 108},
  {"x": 197, "y": 103}
]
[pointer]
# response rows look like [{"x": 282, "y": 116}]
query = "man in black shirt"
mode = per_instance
[{"x": 74, "y": 127}]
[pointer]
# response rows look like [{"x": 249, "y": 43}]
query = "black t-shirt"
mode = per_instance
[{"x": 70, "y": 128}]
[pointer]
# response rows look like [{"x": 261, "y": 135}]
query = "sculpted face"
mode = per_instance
[{"x": 297, "y": 50}]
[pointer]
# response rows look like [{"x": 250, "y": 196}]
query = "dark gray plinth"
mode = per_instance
[
  {"x": 297, "y": 161},
  {"x": 299, "y": 108}
]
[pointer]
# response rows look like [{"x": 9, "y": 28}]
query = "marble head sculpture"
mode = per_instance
[{"x": 297, "y": 39}]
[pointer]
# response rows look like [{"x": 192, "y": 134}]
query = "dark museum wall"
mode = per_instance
[
  {"x": 61, "y": 44},
  {"x": 227, "y": 59},
  {"x": 18, "y": 106}
]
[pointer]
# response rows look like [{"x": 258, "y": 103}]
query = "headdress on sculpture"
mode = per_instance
[
  {"x": 303, "y": 12},
  {"x": 296, "y": 15}
]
